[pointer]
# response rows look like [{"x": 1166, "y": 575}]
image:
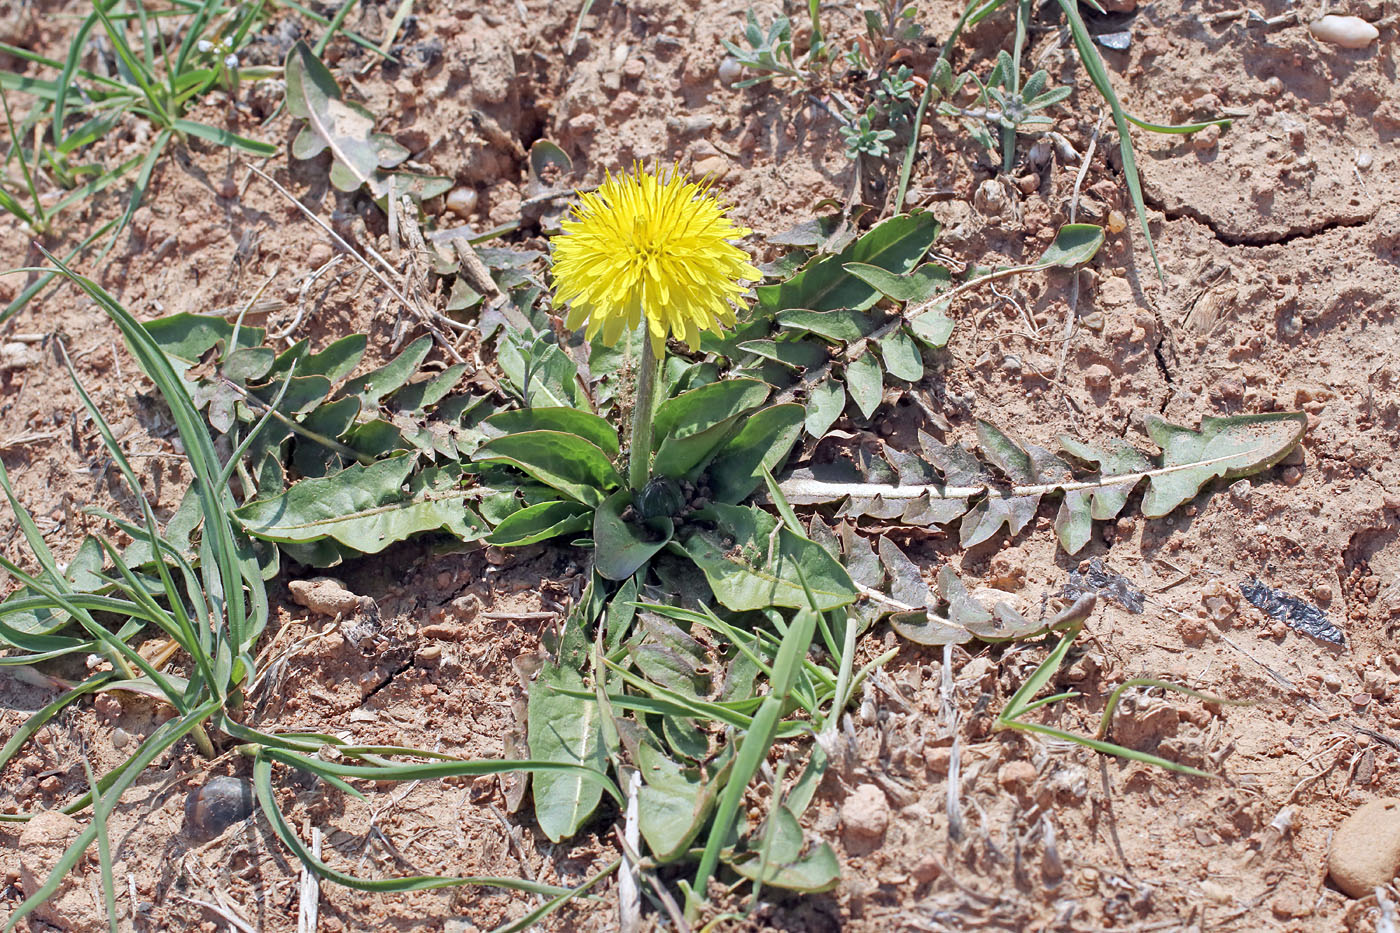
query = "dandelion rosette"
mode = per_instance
[{"x": 647, "y": 247}]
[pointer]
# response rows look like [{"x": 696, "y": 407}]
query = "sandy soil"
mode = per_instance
[{"x": 1280, "y": 248}]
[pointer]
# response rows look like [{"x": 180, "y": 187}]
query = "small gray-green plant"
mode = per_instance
[
  {"x": 886, "y": 95},
  {"x": 768, "y": 54},
  {"x": 1002, "y": 104},
  {"x": 360, "y": 156},
  {"x": 863, "y": 137}
]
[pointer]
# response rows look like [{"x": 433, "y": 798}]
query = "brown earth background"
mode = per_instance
[{"x": 1279, "y": 241}]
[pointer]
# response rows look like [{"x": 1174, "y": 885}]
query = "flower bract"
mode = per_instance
[{"x": 653, "y": 248}]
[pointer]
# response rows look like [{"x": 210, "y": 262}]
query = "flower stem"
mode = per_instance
[{"x": 639, "y": 449}]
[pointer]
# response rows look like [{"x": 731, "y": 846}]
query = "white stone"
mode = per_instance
[{"x": 1350, "y": 32}]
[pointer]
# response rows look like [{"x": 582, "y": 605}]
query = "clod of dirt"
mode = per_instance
[
  {"x": 1220, "y": 602},
  {"x": 1016, "y": 776},
  {"x": 1098, "y": 376},
  {"x": 41, "y": 845},
  {"x": 1207, "y": 139},
  {"x": 865, "y": 816},
  {"x": 328, "y": 596},
  {"x": 216, "y": 806},
  {"x": 1299, "y": 615},
  {"x": 990, "y": 198},
  {"x": 1365, "y": 851},
  {"x": 927, "y": 869},
  {"x": 1350, "y": 32},
  {"x": 14, "y": 356},
  {"x": 1008, "y": 570}
]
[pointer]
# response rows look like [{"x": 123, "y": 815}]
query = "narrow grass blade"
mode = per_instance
[
  {"x": 176, "y": 622},
  {"x": 88, "y": 189},
  {"x": 1178, "y": 129},
  {"x": 224, "y": 137},
  {"x": 1108, "y": 748},
  {"x": 1093, "y": 65},
  {"x": 262, "y": 786},
  {"x": 138, "y": 191},
  {"x": 42, "y": 282},
  {"x": 215, "y": 502},
  {"x": 422, "y": 771},
  {"x": 104, "y": 854},
  {"x": 1118, "y": 692},
  {"x": 753, "y": 748},
  {"x": 333, "y": 26},
  {"x": 37, "y": 720},
  {"x": 550, "y": 906}
]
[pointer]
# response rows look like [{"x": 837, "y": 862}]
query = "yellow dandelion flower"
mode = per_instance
[{"x": 646, "y": 247}]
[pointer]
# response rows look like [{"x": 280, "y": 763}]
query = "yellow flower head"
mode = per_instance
[{"x": 647, "y": 247}]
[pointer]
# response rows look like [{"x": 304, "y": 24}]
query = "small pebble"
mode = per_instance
[
  {"x": 1365, "y": 852},
  {"x": 462, "y": 201},
  {"x": 730, "y": 72},
  {"x": 1364, "y": 160},
  {"x": 712, "y": 167},
  {"x": 634, "y": 69},
  {"x": 228, "y": 188},
  {"x": 1008, "y": 570},
  {"x": 319, "y": 255},
  {"x": 866, "y": 813},
  {"x": 926, "y": 869},
  {"x": 1349, "y": 32},
  {"x": 1016, "y": 776},
  {"x": 1206, "y": 139},
  {"x": 1117, "y": 223},
  {"x": 1028, "y": 184},
  {"x": 1098, "y": 376},
  {"x": 937, "y": 758},
  {"x": 220, "y": 803}
]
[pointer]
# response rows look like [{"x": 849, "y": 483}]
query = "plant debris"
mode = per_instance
[
  {"x": 1300, "y": 615},
  {"x": 1101, "y": 581}
]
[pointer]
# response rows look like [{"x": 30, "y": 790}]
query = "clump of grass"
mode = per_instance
[
  {"x": 161, "y": 63},
  {"x": 210, "y": 601}
]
